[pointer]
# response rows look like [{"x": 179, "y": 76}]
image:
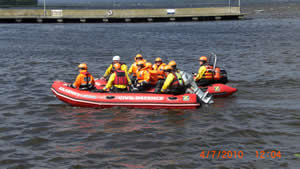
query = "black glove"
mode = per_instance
[
  {"x": 143, "y": 83},
  {"x": 100, "y": 91},
  {"x": 157, "y": 92}
]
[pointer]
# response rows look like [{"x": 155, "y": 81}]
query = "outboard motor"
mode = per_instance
[
  {"x": 224, "y": 78},
  {"x": 193, "y": 88}
]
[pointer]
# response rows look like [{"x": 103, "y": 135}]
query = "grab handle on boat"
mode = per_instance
[
  {"x": 110, "y": 97},
  {"x": 172, "y": 98}
]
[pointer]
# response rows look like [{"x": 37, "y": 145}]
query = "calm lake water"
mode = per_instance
[{"x": 261, "y": 55}]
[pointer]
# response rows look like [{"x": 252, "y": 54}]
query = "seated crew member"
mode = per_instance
[
  {"x": 133, "y": 68},
  {"x": 204, "y": 76},
  {"x": 110, "y": 69},
  {"x": 84, "y": 81},
  {"x": 153, "y": 74},
  {"x": 159, "y": 68},
  {"x": 174, "y": 83},
  {"x": 173, "y": 65},
  {"x": 119, "y": 80},
  {"x": 143, "y": 76}
]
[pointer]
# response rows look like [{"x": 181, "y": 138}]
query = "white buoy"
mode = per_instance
[
  {"x": 60, "y": 20},
  {"x": 18, "y": 20},
  {"x": 195, "y": 18},
  {"x": 82, "y": 20},
  {"x": 218, "y": 18},
  {"x": 39, "y": 20},
  {"x": 172, "y": 19}
]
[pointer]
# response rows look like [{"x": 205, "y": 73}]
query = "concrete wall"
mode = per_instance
[{"x": 120, "y": 13}]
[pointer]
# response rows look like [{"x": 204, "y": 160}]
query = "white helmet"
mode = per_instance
[{"x": 116, "y": 58}]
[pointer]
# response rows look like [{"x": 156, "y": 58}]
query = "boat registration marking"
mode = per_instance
[
  {"x": 186, "y": 98},
  {"x": 76, "y": 94},
  {"x": 217, "y": 88}
]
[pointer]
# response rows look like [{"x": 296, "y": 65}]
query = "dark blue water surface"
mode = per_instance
[{"x": 260, "y": 53}]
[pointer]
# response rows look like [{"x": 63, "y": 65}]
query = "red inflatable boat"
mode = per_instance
[
  {"x": 217, "y": 90},
  {"x": 80, "y": 98}
]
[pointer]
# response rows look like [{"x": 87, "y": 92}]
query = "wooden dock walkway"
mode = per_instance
[{"x": 117, "y": 15}]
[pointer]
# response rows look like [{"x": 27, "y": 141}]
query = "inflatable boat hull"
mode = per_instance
[
  {"x": 80, "y": 98},
  {"x": 219, "y": 90}
]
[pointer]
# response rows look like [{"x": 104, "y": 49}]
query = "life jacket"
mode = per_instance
[
  {"x": 177, "y": 81},
  {"x": 143, "y": 75},
  {"x": 153, "y": 77},
  {"x": 87, "y": 81},
  {"x": 160, "y": 70},
  {"x": 120, "y": 78},
  {"x": 135, "y": 68},
  {"x": 140, "y": 75},
  {"x": 209, "y": 72}
]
